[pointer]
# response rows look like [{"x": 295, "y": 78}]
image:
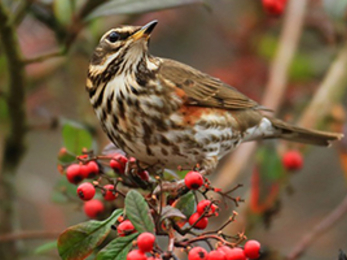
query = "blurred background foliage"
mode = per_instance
[{"x": 237, "y": 41}]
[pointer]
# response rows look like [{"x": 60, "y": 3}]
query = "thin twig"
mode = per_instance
[
  {"x": 44, "y": 57},
  {"x": 318, "y": 230},
  {"x": 30, "y": 234}
]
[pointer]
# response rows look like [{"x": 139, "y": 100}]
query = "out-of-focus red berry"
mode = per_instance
[
  {"x": 108, "y": 192},
  {"x": 274, "y": 7},
  {"x": 292, "y": 160},
  {"x": 193, "y": 180},
  {"x": 145, "y": 242},
  {"x": 117, "y": 166},
  {"x": 216, "y": 255},
  {"x": 125, "y": 228},
  {"x": 90, "y": 169},
  {"x": 74, "y": 174},
  {"x": 118, "y": 163},
  {"x": 136, "y": 255},
  {"x": 198, "y": 253},
  {"x": 144, "y": 175},
  {"x": 202, "y": 205},
  {"x": 93, "y": 208},
  {"x": 227, "y": 251},
  {"x": 86, "y": 191},
  {"x": 201, "y": 224},
  {"x": 237, "y": 254},
  {"x": 252, "y": 249}
]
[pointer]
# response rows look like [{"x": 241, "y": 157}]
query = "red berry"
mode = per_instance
[
  {"x": 136, "y": 255},
  {"x": 237, "y": 254},
  {"x": 74, "y": 174},
  {"x": 197, "y": 253},
  {"x": 216, "y": 255},
  {"x": 201, "y": 224},
  {"x": 252, "y": 249},
  {"x": 125, "y": 228},
  {"x": 145, "y": 242},
  {"x": 108, "y": 194},
  {"x": 93, "y": 208},
  {"x": 202, "y": 205},
  {"x": 227, "y": 251},
  {"x": 90, "y": 170},
  {"x": 118, "y": 163},
  {"x": 144, "y": 175},
  {"x": 193, "y": 180},
  {"x": 86, "y": 191},
  {"x": 117, "y": 166},
  {"x": 292, "y": 160},
  {"x": 274, "y": 7}
]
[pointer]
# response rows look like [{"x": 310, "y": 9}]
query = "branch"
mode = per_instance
[
  {"x": 319, "y": 229},
  {"x": 15, "y": 98},
  {"x": 14, "y": 141},
  {"x": 330, "y": 91},
  {"x": 34, "y": 234},
  {"x": 275, "y": 89}
]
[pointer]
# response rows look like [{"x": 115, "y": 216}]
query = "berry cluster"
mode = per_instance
[
  {"x": 205, "y": 209},
  {"x": 274, "y": 7},
  {"x": 145, "y": 243},
  {"x": 251, "y": 250},
  {"x": 174, "y": 207},
  {"x": 95, "y": 169}
]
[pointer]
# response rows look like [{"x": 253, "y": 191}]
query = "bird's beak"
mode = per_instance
[{"x": 145, "y": 31}]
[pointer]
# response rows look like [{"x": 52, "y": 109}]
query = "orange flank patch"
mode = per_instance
[
  {"x": 181, "y": 93},
  {"x": 192, "y": 114}
]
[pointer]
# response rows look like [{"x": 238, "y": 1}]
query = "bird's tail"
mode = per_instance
[{"x": 302, "y": 135}]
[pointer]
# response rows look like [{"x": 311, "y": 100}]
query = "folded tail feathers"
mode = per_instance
[{"x": 302, "y": 135}]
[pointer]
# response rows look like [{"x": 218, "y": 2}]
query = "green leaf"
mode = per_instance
[
  {"x": 76, "y": 137},
  {"x": 63, "y": 11},
  {"x": 46, "y": 247},
  {"x": 77, "y": 242},
  {"x": 187, "y": 204},
  {"x": 172, "y": 213},
  {"x": 62, "y": 187},
  {"x": 117, "y": 249},
  {"x": 137, "y": 6},
  {"x": 138, "y": 212},
  {"x": 270, "y": 163}
]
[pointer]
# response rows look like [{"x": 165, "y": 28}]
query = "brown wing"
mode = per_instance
[{"x": 202, "y": 89}]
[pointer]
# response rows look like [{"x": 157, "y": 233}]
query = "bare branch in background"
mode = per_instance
[
  {"x": 319, "y": 229},
  {"x": 29, "y": 234},
  {"x": 14, "y": 141},
  {"x": 275, "y": 89},
  {"x": 329, "y": 93}
]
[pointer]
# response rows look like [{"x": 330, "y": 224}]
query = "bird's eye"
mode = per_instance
[{"x": 113, "y": 37}]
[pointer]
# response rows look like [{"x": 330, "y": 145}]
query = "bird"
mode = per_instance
[{"x": 169, "y": 115}]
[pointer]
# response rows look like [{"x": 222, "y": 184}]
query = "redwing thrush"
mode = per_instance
[{"x": 165, "y": 113}]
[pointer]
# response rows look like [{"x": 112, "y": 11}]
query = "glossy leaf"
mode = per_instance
[
  {"x": 172, "y": 213},
  {"x": 138, "y": 212},
  {"x": 79, "y": 241},
  {"x": 76, "y": 137},
  {"x": 117, "y": 249},
  {"x": 187, "y": 204},
  {"x": 137, "y": 6}
]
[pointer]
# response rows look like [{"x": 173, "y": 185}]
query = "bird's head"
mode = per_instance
[{"x": 126, "y": 43}]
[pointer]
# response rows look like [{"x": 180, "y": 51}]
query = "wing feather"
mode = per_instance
[{"x": 202, "y": 89}]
